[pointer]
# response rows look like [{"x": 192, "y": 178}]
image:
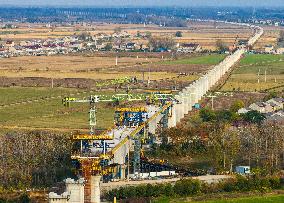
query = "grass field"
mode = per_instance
[
  {"x": 260, "y": 58},
  {"x": 45, "y": 110},
  {"x": 41, "y": 108},
  {"x": 245, "y": 77},
  {"x": 103, "y": 68},
  {"x": 206, "y": 60},
  {"x": 254, "y": 199},
  {"x": 94, "y": 67}
]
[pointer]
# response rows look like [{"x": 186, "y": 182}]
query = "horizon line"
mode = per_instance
[{"x": 134, "y": 6}]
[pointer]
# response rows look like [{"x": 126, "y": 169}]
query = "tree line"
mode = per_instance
[
  {"x": 225, "y": 140},
  {"x": 34, "y": 159},
  {"x": 192, "y": 187}
]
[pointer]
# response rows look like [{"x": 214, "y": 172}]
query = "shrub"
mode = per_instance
[
  {"x": 275, "y": 182},
  {"x": 230, "y": 185},
  {"x": 168, "y": 190},
  {"x": 242, "y": 183},
  {"x": 187, "y": 187}
]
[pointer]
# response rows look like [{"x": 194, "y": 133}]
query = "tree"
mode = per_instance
[
  {"x": 207, "y": 115},
  {"x": 117, "y": 30},
  {"x": 253, "y": 117},
  {"x": 238, "y": 104},
  {"x": 271, "y": 95},
  {"x": 221, "y": 46},
  {"x": 281, "y": 36},
  {"x": 84, "y": 36},
  {"x": 165, "y": 43},
  {"x": 178, "y": 34},
  {"x": 225, "y": 116},
  {"x": 148, "y": 34},
  {"x": 108, "y": 47}
]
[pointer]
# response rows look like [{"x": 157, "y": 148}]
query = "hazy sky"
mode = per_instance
[{"x": 180, "y": 3}]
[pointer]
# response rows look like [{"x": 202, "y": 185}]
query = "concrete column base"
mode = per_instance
[{"x": 95, "y": 189}]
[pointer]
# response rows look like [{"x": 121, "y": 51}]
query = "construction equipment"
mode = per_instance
[
  {"x": 116, "y": 98},
  {"x": 114, "y": 82},
  {"x": 130, "y": 117},
  {"x": 94, "y": 152}
]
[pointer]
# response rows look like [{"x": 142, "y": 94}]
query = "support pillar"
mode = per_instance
[
  {"x": 95, "y": 189},
  {"x": 123, "y": 172},
  {"x": 137, "y": 156},
  {"x": 172, "y": 120},
  {"x": 75, "y": 189}
]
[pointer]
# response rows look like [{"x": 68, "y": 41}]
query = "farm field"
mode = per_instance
[
  {"x": 245, "y": 76},
  {"x": 253, "y": 199},
  {"x": 96, "y": 68},
  {"x": 270, "y": 36},
  {"x": 41, "y": 108},
  {"x": 102, "y": 67},
  {"x": 199, "y": 60}
]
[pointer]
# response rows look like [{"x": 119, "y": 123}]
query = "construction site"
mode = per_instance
[{"x": 117, "y": 154}]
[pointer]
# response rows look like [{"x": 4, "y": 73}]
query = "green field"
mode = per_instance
[
  {"x": 255, "y": 199},
  {"x": 245, "y": 77},
  {"x": 198, "y": 60},
  {"x": 259, "y": 58},
  {"x": 45, "y": 110}
]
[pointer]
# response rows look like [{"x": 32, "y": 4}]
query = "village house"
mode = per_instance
[
  {"x": 9, "y": 43},
  {"x": 261, "y": 107},
  {"x": 277, "y": 117},
  {"x": 269, "y": 49},
  {"x": 130, "y": 46},
  {"x": 189, "y": 48},
  {"x": 242, "y": 44},
  {"x": 278, "y": 101},
  {"x": 280, "y": 50},
  {"x": 244, "y": 110}
]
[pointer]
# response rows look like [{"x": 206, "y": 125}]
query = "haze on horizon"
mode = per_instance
[{"x": 119, "y": 3}]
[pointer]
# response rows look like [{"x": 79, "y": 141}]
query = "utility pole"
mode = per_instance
[
  {"x": 149, "y": 75},
  {"x": 52, "y": 83},
  {"x": 212, "y": 101},
  {"x": 258, "y": 75},
  {"x": 265, "y": 76},
  {"x": 149, "y": 72},
  {"x": 116, "y": 60}
]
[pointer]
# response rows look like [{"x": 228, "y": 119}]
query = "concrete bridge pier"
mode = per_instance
[
  {"x": 123, "y": 169},
  {"x": 184, "y": 105},
  {"x": 188, "y": 102},
  {"x": 179, "y": 108},
  {"x": 95, "y": 189},
  {"x": 172, "y": 120},
  {"x": 153, "y": 127}
]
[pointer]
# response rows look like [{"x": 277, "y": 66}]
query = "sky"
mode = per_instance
[{"x": 113, "y": 3}]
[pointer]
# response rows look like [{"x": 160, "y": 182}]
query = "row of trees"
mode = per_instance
[
  {"x": 161, "y": 43},
  {"x": 191, "y": 187},
  {"x": 258, "y": 146},
  {"x": 33, "y": 159}
]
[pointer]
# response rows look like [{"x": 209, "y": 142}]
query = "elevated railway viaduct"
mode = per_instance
[{"x": 115, "y": 157}]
